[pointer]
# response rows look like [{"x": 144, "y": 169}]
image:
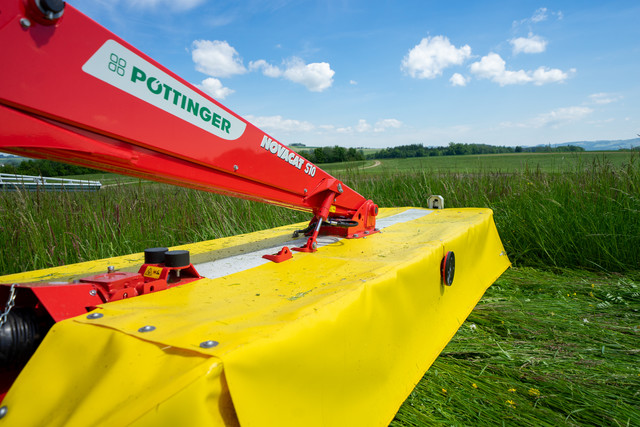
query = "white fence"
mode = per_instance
[{"x": 11, "y": 182}]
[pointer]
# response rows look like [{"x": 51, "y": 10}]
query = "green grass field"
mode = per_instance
[
  {"x": 555, "y": 341},
  {"x": 507, "y": 163}
]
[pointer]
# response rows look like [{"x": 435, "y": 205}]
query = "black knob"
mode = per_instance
[
  {"x": 53, "y": 6},
  {"x": 154, "y": 255},
  {"x": 448, "y": 268},
  {"x": 51, "y": 9},
  {"x": 176, "y": 259}
]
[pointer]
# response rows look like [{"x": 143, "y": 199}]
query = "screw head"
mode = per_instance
[
  {"x": 235, "y": 168},
  {"x": 25, "y": 23},
  {"x": 94, "y": 315},
  {"x": 208, "y": 344},
  {"x": 93, "y": 292},
  {"x": 3, "y": 411},
  {"x": 111, "y": 269},
  {"x": 147, "y": 328}
]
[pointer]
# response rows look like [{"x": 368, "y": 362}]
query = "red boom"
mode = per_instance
[{"x": 72, "y": 91}]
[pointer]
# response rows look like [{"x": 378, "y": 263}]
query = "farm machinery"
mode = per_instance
[{"x": 332, "y": 325}]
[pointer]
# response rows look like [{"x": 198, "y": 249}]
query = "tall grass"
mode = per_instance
[
  {"x": 586, "y": 215},
  {"x": 45, "y": 229}
]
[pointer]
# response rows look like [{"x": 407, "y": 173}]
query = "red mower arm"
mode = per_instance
[{"x": 71, "y": 91}]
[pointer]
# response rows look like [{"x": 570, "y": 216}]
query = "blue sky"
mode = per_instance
[{"x": 384, "y": 73}]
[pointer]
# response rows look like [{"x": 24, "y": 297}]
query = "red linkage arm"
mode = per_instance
[{"x": 71, "y": 91}]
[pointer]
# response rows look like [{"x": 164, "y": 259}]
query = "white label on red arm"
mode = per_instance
[{"x": 118, "y": 66}]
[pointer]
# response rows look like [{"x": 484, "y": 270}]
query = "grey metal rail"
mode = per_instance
[{"x": 11, "y": 182}]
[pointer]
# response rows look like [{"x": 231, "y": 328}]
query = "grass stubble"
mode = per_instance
[{"x": 555, "y": 341}]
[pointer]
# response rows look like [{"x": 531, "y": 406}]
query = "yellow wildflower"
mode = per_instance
[
  {"x": 512, "y": 390},
  {"x": 511, "y": 403},
  {"x": 444, "y": 390},
  {"x": 534, "y": 392},
  {"x": 474, "y": 385}
]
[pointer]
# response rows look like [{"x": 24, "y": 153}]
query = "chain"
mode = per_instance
[{"x": 9, "y": 306}]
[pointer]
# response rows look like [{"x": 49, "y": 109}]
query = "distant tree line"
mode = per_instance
[
  {"x": 45, "y": 168},
  {"x": 457, "y": 149},
  {"x": 337, "y": 154},
  {"x": 334, "y": 154}
]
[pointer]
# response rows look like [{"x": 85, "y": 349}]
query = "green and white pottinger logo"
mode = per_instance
[
  {"x": 117, "y": 65},
  {"x": 121, "y": 68}
]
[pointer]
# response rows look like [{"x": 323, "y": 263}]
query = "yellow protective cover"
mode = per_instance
[{"x": 337, "y": 337}]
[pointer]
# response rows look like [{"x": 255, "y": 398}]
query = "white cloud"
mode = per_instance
[
  {"x": 459, "y": 80},
  {"x": 316, "y": 76},
  {"x": 432, "y": 55},
  {"x": 561, "y": 116},
  {"x": 279, "y": 123},
  {"x": 604, "y": 98},
  {"x": 353, "y": 82},
  {"x": 174, "y": 5},
  {"x": 216, "y": 58},
  {"x": 493, "y": 67},
  {"x": 554, "y": 118},
  {"x": 214, "y": 88},
  {"x": 362, "y": 126},
  {"x": 544, "y": 75},
  {"x": 539, "y": 15},
  {"x": 267, "y": 69},
  {"x": 530, "y": 44},
  {"x": 384, "y": 124}
]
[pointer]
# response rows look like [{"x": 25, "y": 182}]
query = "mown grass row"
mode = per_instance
[
  {"x": 540, "y": 349},
  {"x": 586, "y": 217}
]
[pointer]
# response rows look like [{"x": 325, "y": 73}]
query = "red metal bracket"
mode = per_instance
[
  {"x": 323, "y": 214},
  {"x": 283, "y": 255},
  {"x": 365, "y": 217}
]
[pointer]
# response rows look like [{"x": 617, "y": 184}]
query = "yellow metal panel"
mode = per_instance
[
  {"x": 337, "y": 337},
  {"x": 87, "y": 375}
]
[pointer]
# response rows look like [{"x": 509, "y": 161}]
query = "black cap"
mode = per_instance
[
  {"x": 154, "y": 255},
  {"x": 176, "y": 259}
]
